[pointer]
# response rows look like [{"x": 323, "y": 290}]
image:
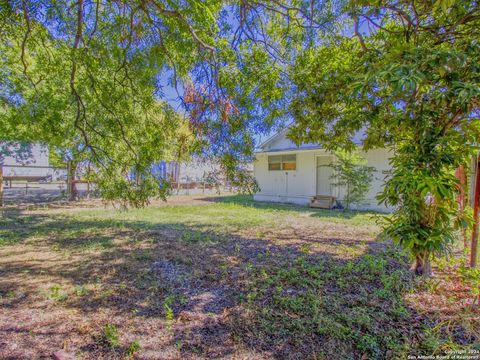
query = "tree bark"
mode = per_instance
[
  {"x": 476, "y": 209},
  {"x": 1, "y": 185},
  {"x": 71, "y": 185},
  {"x": 178, "y": 177},
  {"x": 422, "y": 265}
]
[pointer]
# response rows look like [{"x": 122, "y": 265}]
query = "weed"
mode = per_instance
[
  {"x": 316, "y": 305},
  {"x": 224, "y": 269},
  {"x": 133, "y": 348},
  {"x": 145, "y": 256},
  {"x": 432, "y": 285},
  {"x": 196, "y": 237},
  {"x": 81, "y": 291},
  {"x": 10, "y": 294},
  {"x": 110, "y": 336},
  {"x": 345, "y": 303},
  {"x": 306, "y": 248},
  {"x": 260, "y": 234},
  {"x": 169, "y": 315},
  {"x": 106, "y": 293},
  {"x": 55, "y": 293},
  {"x": 368, "y": 344},
  {"x": 178, "y": 345},
  {"x": 347, "y": 250}
]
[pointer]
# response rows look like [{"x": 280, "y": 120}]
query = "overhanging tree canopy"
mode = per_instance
[
  {"x": 92, "y": 73},
  {"x": 406, "y": 75}
]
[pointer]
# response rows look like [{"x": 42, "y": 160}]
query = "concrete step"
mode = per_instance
[{"x": 322, "y": 202}]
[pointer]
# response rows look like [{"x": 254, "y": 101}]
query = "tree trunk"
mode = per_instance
[
  {"x": 476, "y": 209},
  {"x": 178, "y": 177},
  {"x": 422, "y": 265},
  {"x": 71, "y": 185},
  {"x": 1, "y": 185}
]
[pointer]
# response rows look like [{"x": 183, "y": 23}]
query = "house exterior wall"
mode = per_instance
[
  {"x": 379, "y": 159},
  {"x": 298, "y": 186},
  {"x": 195, "y": 170},
  {"x": 38, "y": 157}
]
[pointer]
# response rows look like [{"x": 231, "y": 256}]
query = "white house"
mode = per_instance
[{"x": 296, "y": 174}]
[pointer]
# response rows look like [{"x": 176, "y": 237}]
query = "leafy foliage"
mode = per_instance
[
  {"x": 410, "y": 84},
  {"x": 93, "y": 98},
  {"x": 353, "y": 174},
  {"x": 338, "y": 308}
]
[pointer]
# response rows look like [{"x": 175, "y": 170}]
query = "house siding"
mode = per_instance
[{"x": 299, "y": 186}]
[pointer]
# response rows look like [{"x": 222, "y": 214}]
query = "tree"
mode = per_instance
[
  {"x": 411, "y": 84},
  {"x": 95, "y": 98},
  {"x": 89, "y": 72},
  {"x": 352, "y": 173}
]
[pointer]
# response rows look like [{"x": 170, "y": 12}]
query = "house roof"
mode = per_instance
[
  {"x": 273, "y": 137},
  {"x": 285, "y": 144}
]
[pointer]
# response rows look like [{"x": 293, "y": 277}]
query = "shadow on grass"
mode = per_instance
[
  {"x": 247, "y": 201},
  {"x": 209, "y": 293}
]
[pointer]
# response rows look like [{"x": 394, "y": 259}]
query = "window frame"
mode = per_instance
[{"x": 279, "y": 162}]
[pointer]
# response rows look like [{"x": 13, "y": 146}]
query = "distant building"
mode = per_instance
[
  {"x": 31, "y": 166},
  {"x": 196, "y": 170}
]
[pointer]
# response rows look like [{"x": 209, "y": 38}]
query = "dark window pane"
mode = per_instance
[{"x": 274, "y": 166}]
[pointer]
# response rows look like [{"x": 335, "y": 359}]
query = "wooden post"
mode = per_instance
[
  {"x": 476, "y": 209},
  {"x": 1, "y": 185},
  {"x": 69, "y": 180},
  {"x": 461, "y": 198},
  {"x": 88, "y": 181}
]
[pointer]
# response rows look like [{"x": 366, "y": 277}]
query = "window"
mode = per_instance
[
  {"x": 282, "y": 162},
  {"x": 289, "y": 162},
  {"x": 275, "y": 162}
]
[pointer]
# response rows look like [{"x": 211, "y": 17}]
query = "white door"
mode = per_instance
[
  {"x": 280, "y": 183},
  {"x": 324, "y": 175}
]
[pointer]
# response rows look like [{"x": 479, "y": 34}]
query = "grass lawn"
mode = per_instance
[{"x": 221, "y": 277}]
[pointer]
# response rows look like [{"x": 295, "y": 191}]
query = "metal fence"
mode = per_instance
[{"x": 39, "y": 184}]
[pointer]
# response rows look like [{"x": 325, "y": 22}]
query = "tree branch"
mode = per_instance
[
  {"x": 358, "y": 34},
  {"x": 25, "y": 37}
]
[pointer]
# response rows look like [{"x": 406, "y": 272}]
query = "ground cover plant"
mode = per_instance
[{"x": 221, "y": 277}]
